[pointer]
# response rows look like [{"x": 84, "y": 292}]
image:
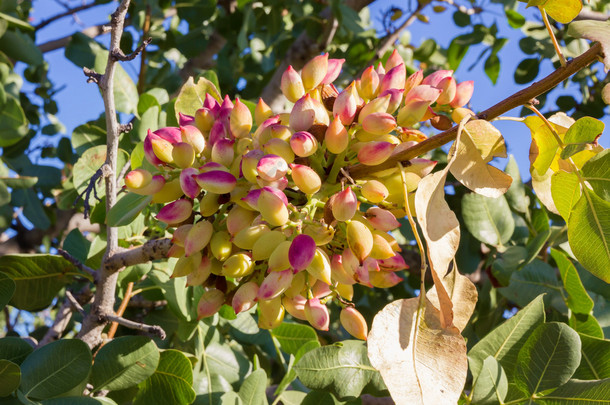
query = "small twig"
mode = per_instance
[
  {"x": 138, "y": 302},
  {"x": 87, "y": 192},
  {"x": 121, "y": 310},
  {"x": 123, "y": 172},
  {"x": 118, "y": 55},
  {"x": 7, "y": 321},
  {"x": 78, "y": 263},
  {"x": 92, "y": 75},
  {"x": 74, "y": 303},
  {"x": 66, "y": 13},
  {"x": 152, "y": 329},
  {"x": 63, "y": 316},
  {"x": 545, "y": 18},
  {"x": 124, "y": 128}
]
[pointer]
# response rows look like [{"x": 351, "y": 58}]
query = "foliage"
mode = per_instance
[{"x": 161, "y": 293}]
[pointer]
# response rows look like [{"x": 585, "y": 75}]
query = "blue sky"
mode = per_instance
[{"x": 80, "y": 102}]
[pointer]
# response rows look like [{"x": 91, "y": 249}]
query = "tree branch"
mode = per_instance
[
  {"x": 103, "y": 303},
  {"x": 77, "y": 263},
  {"x": 518, "y": 99},
  {"x": 388, "y": 41},
  {"x": 64, "y": 315},
  {"x": 66, "y": 13},
  {"x": 152, "y": 250},
  {"x": 152, "y": 329}
]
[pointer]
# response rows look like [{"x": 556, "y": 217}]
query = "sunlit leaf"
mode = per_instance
[
  {"x": 192, "y": 95},
  {"x": 597, "y": 173},
  {"x": 563, "y": 11},
  {"x": 515, "y": 195},
  {"x": 578, "y": 299},
  {"x": 565, "y": 189},
  {"x": 463, "y": 294},
  {"x": 470, "y": 166},
  {"x": 589, "y": 234},
  {"x": 293, "y": 335},
  {"x": 127, "y": 209},
  {"x": 598, "y": 31},
  {"x": 584, "y": 131},
  {"x": 252, "y": 391},
  {"x": 421, "y": 362}
]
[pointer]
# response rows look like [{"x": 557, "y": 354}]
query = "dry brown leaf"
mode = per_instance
[
  {"x": 420, "y": 362},
  {"x": 441, "y": 230},
  {"x": 470, "y": 169},
  {"x": 463, "y": 296},
  {"x": 487, "y": 139}
]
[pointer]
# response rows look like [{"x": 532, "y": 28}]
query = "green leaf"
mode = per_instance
[
  {"x": 515, "y": 19},
  {"x": 293, "y": 398},
  {"x": 492, "y": 67},
  {"x": 89, "y": 163},
  {"x": 230, "y": 364},
  {"x": 32, "y": 207},
  {"x": 13, "y": 124},
  {"x": 586, "y": 324},
  {"x": 578, "y": 299},
  {"x": 589, "y": 234},
  {"x": 565, "y": 189},
  {"x": 576, "y": 392},
  {"x": 5, "y": 196},
  {"x": 595, "y": 361},
  {"x": 127, "y": 209},
  {"x": 290, "y": 373},
  {"x": 527, "y": 70},
  {"x": 595, "y": 31},
  {"x": 492, "y": 385},
  {"x": 212, "y": 77},
  {"x": 170, "y": 384},
  {"x": 532, "y": 280},
  {"x": 488, "y": 219},
  {"x": 16, "y": 22},
  {"x": 14, "y": 349},
  {"x": 19, "y": 181},
  {"x": 7, "y": 289},
  {"x": 77, "y": 245},
  {"x": 515, "y": 195},
  {"x": 19, "y": 46},
  {"x": 87, "y": 136},
  {"x": 342, "y": 369},
  {"x": 548, "y": 358},
  {"x": 583, "y": 132},
  {"x": 147, "y": 101},
  {"x": 293, "y": 335},
  {"x": 504, "y": 342},
  {"x": 597, "y": 172},
  {"x": 253, "y": 390},
  {"x": 124, "y": 362},
  {"x": 191, "y": 95},
  {"x": 38, "y": 278},
  {"x": 55, "y": 369},
  {"x": 231, "y": 398},
  {"x": 79, "y": 401},
  {"x": 10, "y": 376},
  {"x": 563, "y": 11}
]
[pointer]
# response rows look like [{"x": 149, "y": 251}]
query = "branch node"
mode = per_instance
[
  {"x": 92, "y": 75},
  {"x": 118, "y": 55},
  {"x": 124, "y": 128}
]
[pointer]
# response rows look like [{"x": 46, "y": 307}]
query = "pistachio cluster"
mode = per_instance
[{"x": 260, "y": 211}]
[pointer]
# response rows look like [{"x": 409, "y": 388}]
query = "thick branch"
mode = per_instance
[
  {"x": 518, "y": 99},
  {"x": 103, "y": 304},
  {"x": 152, "y": 250},
  {"x": 66, "y": 13}
]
